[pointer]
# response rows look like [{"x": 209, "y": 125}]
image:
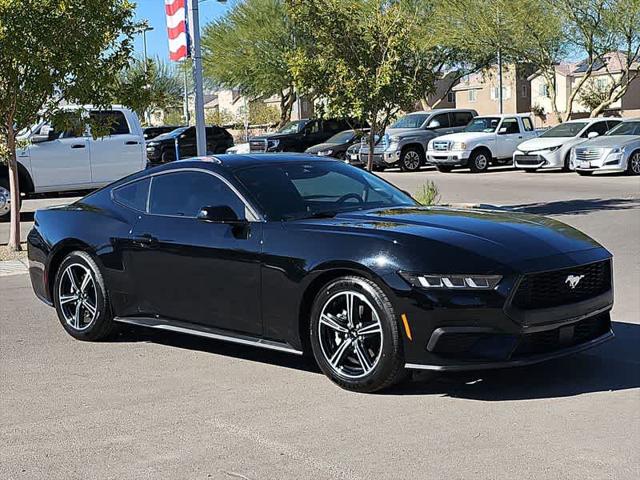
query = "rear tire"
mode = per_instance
[
  {"x": 411, "y": 159},
  {"x": 444, "y": 168},
  {"x": 360, "y": 351},
  {"x": 5, "y": 200},
  {"x": 81, "y": 299},
  {"x": 168, "y": 156},
  {"x": 633, "y": 164},
  {"x": 479, "y": 161},
  {"x": 584, "y": 173}
]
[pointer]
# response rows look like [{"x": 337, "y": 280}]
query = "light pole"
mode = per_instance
[{"x": 144, "y": 29}]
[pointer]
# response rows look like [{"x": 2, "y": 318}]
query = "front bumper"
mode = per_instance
[
  {"x": 611, "y": 163},
  {"x": 448, "y": 157},
  {"x": 381, "y": 158},
  {"x": 540, "y": 159}
]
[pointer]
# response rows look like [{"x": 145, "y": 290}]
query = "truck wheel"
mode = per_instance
[
  {"x": 411, "y": 159},
  {"x": 479, "y": 161},
  {"x": 444, "y": 168},
  {"x": 168, "y": 156},
  {"x": 5, "y": 200}
]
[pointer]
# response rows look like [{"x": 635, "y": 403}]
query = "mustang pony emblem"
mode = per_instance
[{"x": 573, "y": 280}]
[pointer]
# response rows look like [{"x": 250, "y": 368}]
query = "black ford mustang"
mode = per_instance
[{"x": 294, "y": 253}]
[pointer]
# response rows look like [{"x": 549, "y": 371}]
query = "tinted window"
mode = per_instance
[
  {"x": 296, "y": 190},
  {"x": 332, "y": 126},
  {"x": 312, "y": 127},
  {"x": 528, "y": 126},
  {"x": 133, "y": 195},
  {"x": 511, "y": 124},
  {"x": 114, "y": 119},
  {"x": 442, "y": 119},
  {"x": 612, "y": 123},
  {"x": 411, "y": 121},
  {"x": 569, "y": 129},
  {"x": 599, "y": 127},
  {"x": 460, "y": 119},
  {"x": 185, "y": 193}
]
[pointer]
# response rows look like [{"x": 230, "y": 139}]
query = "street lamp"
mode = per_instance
[{"x": 144, "y": 28}]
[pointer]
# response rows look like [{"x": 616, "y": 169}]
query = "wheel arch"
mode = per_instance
[
  {"x": 58, "y": 254},
  {"x": 24, "y": 177},
  {"x": 323, "y": 275},
  {"x": 483, "y": 148}
]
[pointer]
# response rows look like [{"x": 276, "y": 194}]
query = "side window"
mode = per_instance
[
  {"x": 612, "y": 123},
  {"x": 461, "y": 119},
  {"x": 312, "y": 127},
  {"x": 114, "y": 119},
  {"x": 528, "y": 125},
  {"x": 599, "y": 127},
  {"x": 511, "y": 126},
  {"x": 133, "y": 195},
  {"x": 442, "y": 119},
  {"x": 332, "y": 126},
  {"x": 183, "y": 194}
]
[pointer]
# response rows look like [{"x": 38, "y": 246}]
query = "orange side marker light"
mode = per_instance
[{"x": 405, "y": 321}]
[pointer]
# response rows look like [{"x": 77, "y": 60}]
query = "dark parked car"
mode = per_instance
[
  {"x": 162, "y": 149},
  {"x": 299, "y": 135},
  {"x": 337, "y": 145},
  {"x": 152, "y": 132},
  {"x": 295, "y": 253}
]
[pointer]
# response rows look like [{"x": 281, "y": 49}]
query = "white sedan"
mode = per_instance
[{"x": 552, "y": 149}]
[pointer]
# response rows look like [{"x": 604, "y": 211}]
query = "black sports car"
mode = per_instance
[
  {"x": 336, "y": 146},
  {"x": 300, "y": 254}
]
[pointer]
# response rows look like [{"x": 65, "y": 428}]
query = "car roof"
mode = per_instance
[
  {"x": 503, "y": 115},
  {"x": 441, "y": 110},
  {"x": 235, "y": 161}
]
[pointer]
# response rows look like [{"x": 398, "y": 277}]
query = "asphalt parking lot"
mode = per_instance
[{"x": 151, "y": 405}]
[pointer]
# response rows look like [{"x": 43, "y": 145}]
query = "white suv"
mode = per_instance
[
  {"x": 55, "y": 161},
  {"x": 552, "y": 149}
]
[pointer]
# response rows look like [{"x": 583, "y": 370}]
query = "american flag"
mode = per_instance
[{"x": 177, "y": 29}]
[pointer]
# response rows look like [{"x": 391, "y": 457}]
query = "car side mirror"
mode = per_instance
[
  {"x": 502, "y": 131},
  {"x": 219, "y": 214},
  {"x": 434, "y": 124},
  {"x": 593, "y": 135}
]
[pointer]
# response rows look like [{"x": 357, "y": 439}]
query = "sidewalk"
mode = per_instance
[{"x": 14, "y": 267}]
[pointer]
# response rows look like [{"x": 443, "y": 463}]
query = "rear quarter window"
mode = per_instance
[{"x": 133, "y": 195}]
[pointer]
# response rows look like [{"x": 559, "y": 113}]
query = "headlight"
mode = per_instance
[
  {"x": 325, "y": 153},
  {"x": 152, "y": 144},
  {"x": 553, "y": 149},
  {"x": 616, "y": 150},
  {"x": 394, "y": 139},
  {"x": 458, "y": 146},
  {"x": 453, "y": 281}
]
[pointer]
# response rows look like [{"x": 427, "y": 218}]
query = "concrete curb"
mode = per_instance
[{"x": 14, "y": 267}]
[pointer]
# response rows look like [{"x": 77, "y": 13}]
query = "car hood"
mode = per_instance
[
  {"x": 543, "y": 143},
  {"x": 273, "y": 136},
  {"x": 611, "y": 141},
  {"x": 506, "y": 237},
  {"x": 323, "y": 146},
  {"x": 466, "y": 136},
  {"x": 403, "y": 131}
]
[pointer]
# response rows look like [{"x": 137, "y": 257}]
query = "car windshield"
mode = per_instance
[
  {"x": 292, "y": 127},
  {"x": 625, "y": 128},
  {"x": 293, "y": 191},
  {"x": 483, "y": 124},
  {"x": 569, "y": 129},
  {"x": 342, "y": 137},
  {"x": 414, "y": 120}
]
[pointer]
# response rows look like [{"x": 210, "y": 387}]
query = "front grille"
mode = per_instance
[
  {"x": 588, "y": 154},
  {"x": 258, "y": 145},
  {"x": 441, "y": 146},
  {"x": 553, "y": 289},
  {"x": 528, "y": 160},
  {"x": 563, "y": 337}
]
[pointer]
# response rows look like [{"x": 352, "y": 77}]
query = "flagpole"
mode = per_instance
[{"x": 196, "y": 56}]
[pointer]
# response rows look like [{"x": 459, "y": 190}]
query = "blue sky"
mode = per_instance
[{"x": 153, "y": 12}]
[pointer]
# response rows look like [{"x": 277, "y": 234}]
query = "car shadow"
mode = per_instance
[
  {"x": 576, "y": 207},
  {"x": 612, "y": 366}
]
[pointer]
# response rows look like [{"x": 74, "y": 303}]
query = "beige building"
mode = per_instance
[
  {"x": 568, "y": 75},
  {"x": 443, "y": 95},
  {"x": 481, "y": 92}
]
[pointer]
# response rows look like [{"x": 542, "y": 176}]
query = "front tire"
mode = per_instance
[
  {"x": 411, "y": 159},
  {"x": 633, "y": 167},
  {"x": 355, "y": 336},
  {"x": 5, "y": 200},
  {"x": 479, "y": 161},
  {"x": 81, "y": 300}
]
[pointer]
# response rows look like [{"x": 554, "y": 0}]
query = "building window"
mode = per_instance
[
  {"x": 495, "y": 93},
  {"x": 451, "y": 97},
  {"x": 524, "y": 91},
  {"x": 472, "y": 95},
  {"x": 601, "y": 83}
]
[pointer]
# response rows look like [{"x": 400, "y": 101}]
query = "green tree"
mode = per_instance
[
  {"x": 154, "y": 86},
  {"x": 362, "y": 56},
  {"x": 248, "y": 49},
  {"x": 53, "y": 51}
]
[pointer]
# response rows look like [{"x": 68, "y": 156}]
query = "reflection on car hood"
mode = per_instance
[
  {"x": 543, "y": 143},
  {"x": 503, "y": 236},
  {"x": 465, "y": 136},
  {"x": 322, "y": 146},
  {"x": 403, "y": 131},
  {"x": 610, "y": 141}
]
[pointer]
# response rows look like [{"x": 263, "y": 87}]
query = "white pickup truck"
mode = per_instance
[
  {"x": 54, "y": 161},
  {"x": 485, "y": 140}
]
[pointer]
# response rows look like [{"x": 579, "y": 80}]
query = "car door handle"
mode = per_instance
[
  {"x": 520, "y": 136},
  {"x": 145, "y": 240},
  {"x": 77, "y": 145},
  {"x": 132, "y": 142}
]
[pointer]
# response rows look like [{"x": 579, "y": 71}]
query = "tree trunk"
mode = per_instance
[
  {"x": 14, "y": 188},
  {"x": 286, "y": 105},
  {"x": 372, "y": 142}
]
